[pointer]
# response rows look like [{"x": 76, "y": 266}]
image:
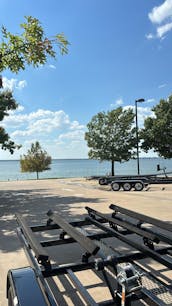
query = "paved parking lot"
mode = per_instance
[{"x": 68, "y": 197}]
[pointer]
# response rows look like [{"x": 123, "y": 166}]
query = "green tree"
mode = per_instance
[
  {"x": 157, "y": 131},
  {"x": 7, "y": 102},
  {"x": 32, "y": 48},
  {"x": 36, "y": 160},
  {"x": 111, "y": 136}
]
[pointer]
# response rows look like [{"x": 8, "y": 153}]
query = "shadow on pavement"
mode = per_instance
[{"x": 33, "y": 205}]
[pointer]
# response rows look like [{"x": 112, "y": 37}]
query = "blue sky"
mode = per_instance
[{"x": 120, "y": 51}]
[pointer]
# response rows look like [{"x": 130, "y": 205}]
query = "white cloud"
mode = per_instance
[
  {"x": 21, "y": 84},
  {"x": 76, "y": 126},
  {"x": 20, "y": 133},
  {"x": 55, "y": 118},
  {"x": 57, "y": 134},
  {"x": 40, "y": 122},
  {"x": 11, "y": 84},
  {"x": 52, "y": 66},
  {"x": 143, "y": 112},
  {"x": 162, "y": 85},
  {"x": 75, "y": 135},
  {"x": 164, "y": 29},
  {"x": 150, "y": 36},
  {"x": 150, "y": 100},
  {"x": 20, "y": 108},
  {"x": 118, "y": 102},
  {"x": 161, "y": 13},
  {"x": 41, "y": 66},
  {"x": 46, "y": 125},
  {"x": 161, "y": 16}
]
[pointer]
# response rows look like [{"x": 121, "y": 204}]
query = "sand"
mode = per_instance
[{"x": 34, "y": 198}]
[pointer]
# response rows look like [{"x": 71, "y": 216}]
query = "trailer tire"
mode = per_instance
[
  {"x": 126, "y": 186},
  {"x": 138, "y": 186},
  {"x": 103, "y": 181},
  {"x": 115, "y": 186}
]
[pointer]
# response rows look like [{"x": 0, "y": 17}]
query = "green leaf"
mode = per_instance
[{"x": 31, "y": 47}]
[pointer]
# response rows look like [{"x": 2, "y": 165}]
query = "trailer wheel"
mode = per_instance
[
  {"x": 126, "y": 186},
  {"x": 138, "y": 186},
  {"x": 103, "y": 181},
  {"x": 115, "y": 186}
]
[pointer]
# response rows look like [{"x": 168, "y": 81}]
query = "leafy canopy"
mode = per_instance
[
  {"x": 31, "y": 47},
  {"x": 157, "y": 131},
  {"x": 111, "y": 136},
  {"x": 7, "y": 103},
  {"x": 36, "y": 160}
]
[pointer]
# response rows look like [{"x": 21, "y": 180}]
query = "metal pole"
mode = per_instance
[
  {"x": 137, "y": 136},
  {"x": 137, "y": 140}
]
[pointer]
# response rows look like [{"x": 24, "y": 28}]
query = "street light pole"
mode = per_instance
[{"x": 137, "y": 136}]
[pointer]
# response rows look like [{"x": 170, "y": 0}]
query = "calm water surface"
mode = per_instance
[{"x": 61, "y": 168}]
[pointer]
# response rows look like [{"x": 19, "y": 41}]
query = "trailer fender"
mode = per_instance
[
  {"x": 103, "y": 181},
  {"x": 23, "y": 288}
]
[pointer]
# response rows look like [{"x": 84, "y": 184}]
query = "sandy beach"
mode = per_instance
[{"x": 68, "y": 197}]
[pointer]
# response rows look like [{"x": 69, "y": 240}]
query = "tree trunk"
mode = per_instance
[
  {"x": 112, "y": 168},
  {"x": 37, "y": 175}
]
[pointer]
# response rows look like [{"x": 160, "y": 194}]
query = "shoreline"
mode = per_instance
[
  {"x": 75, "y": 168},
  {"x": 42, "y": 179},
  {"x": 91, "y": 177}
]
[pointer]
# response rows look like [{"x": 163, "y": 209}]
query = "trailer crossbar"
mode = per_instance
[{"x": 84, "y": 241}]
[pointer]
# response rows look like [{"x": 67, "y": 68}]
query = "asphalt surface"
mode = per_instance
[{"x": 69, "y": 197}]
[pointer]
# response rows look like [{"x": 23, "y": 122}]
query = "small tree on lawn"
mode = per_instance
[
  {"x": 111, "y": 136},
  {"x": 36, "y": 160}
]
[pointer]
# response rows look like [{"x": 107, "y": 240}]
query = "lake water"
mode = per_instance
[{"x": 63, "y": 168}]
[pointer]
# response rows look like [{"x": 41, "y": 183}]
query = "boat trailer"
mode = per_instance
[
  {"x": 115, "y": 246},
  {"x": 136, "y": 182}
]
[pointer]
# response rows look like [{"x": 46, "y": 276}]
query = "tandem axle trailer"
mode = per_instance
[{"x": 124, "y": 277}]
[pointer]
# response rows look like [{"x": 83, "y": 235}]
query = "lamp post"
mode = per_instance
[{"x": 137, "y": 136}]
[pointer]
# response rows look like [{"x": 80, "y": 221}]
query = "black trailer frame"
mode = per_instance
[
  {"x": 160, "y": 178},
  {"x": 104, "y": 259}
]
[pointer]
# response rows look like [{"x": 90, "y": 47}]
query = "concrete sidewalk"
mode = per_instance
[{"x": 69, "y": 197}]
